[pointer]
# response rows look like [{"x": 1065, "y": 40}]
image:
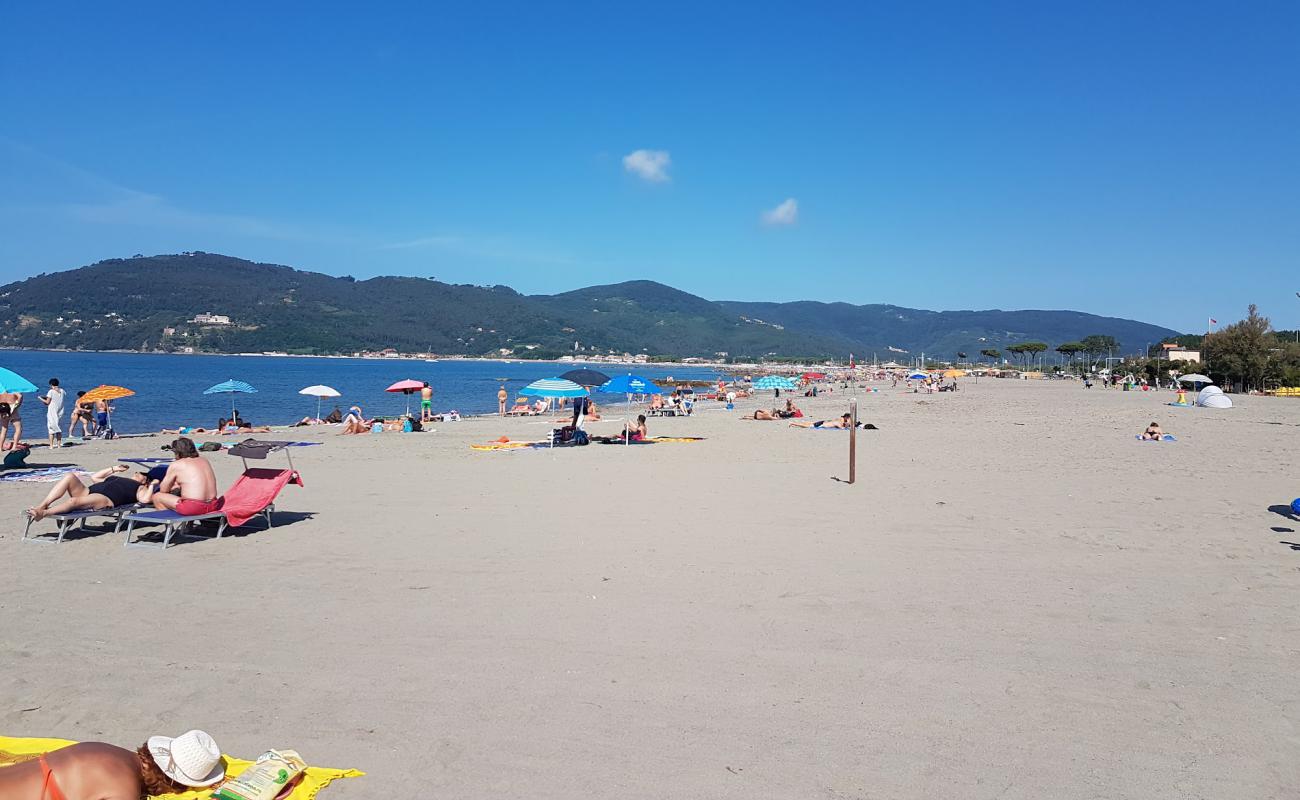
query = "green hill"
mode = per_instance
[{"x": 148, "y": 303}]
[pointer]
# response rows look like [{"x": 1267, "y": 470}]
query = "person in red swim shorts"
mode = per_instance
[{"x": 193, "y": 476}]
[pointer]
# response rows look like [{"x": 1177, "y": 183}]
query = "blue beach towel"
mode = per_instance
[{"x": 1166, "y": 438}]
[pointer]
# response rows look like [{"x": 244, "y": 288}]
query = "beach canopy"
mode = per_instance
[
  {"x": 12, "y": 382},
  {"x": 105, "y": 392},
  {"x": 774, "y": 382},
  {"x": 1213, "y": 397},
  {"x": 231, "y": 387},
  {"x": 553, "y": 387},
  {"x": 585, "y": 377},
  {"x": 630, "y": 384},
  {"x": 1194, "y": 379},
  {"x": 319, "y": 391}
]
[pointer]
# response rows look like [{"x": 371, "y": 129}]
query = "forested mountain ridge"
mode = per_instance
[{"x": 157, "y": 302}]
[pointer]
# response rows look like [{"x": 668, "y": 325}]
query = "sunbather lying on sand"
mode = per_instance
[
  {"x": 1153, "y": 432},
  {"x": 762, "y": 414},
  {"x": 109, "y": 488},
  {"x": 184, "y": 431},
  {"x": 844, "y": 421},
  {"x": 96, "y": 769}
]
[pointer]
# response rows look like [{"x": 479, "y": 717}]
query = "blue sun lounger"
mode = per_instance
[{"x": 77, "y": 519}]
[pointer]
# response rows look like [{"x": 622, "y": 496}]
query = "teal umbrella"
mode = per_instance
[
  {"x": 231, "y": 387},
  {"x": 13, "y": 383}
]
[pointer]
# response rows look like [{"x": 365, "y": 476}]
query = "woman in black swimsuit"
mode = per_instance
[{"x": 109, "y": 489}]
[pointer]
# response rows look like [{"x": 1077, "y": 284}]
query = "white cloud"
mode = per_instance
[
  {"x": 651, "y": 165},
  {"x": 785, "y": 214}
]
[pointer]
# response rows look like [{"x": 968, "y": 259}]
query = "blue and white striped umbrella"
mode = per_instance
[
  {"x": 231, "y": 387},
  {"x": 553, "y": 387},
  {"x": 774, "y": 382}
]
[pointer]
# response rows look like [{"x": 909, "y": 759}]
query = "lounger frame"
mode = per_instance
[
  {"x": 179, "y": 525},
  {"x": 77, "y": 519}
]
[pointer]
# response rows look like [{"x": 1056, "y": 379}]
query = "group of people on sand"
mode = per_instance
[
  {"x": 234, "y": 425},
  {"x": 163, "y": 765},
  {"x": 791, "y": 411},
  {"x": 186, "y": 485},
  {"x": 92, "y": 416}
]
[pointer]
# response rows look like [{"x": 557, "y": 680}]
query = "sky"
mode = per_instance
[{"x": 1128, "y": 159}]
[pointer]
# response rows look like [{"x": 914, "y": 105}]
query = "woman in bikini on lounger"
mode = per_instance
[
  {"x": 109, "y": 489},
  {"x": 161, "y": 766}
]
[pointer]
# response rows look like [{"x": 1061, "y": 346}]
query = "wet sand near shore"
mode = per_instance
[{"x": 1016, "y": 600}]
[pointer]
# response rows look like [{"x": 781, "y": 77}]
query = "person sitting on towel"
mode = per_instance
[
  {"x": 108, "y": 490},
  {"x": 1153, "y": 432},
  {"x": 638, "y": 431},
  {"x": 193, "y": 475},
  {"x": 160, "y": 766}
]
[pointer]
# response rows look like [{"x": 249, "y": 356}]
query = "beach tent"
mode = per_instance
[{"x": 1213, "y": 397}]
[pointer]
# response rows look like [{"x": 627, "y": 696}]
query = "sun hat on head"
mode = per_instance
[{"x": 192, "y": 758}]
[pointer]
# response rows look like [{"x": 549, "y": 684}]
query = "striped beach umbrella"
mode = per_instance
[
  {"x": 231, "y": 387},
  {"x": 774, "y": 382},
  {"x": 553, "y": 387}
]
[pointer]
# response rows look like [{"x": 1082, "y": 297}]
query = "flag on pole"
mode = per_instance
[
  {"x": 1214, "y": 321},
  {"x": 851, "y": 361}
]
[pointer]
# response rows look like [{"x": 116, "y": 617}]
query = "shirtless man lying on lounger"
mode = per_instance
[
  {"x": 193, "y": 476},
  {"x": 109, "y": 489}
]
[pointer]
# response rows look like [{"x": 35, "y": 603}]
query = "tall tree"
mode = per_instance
[
  {"x": 1240, "y": 352},
  {"x": 991, "y": 353}
]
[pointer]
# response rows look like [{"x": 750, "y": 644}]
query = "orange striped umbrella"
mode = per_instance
[{"x": 105, "y": 392}]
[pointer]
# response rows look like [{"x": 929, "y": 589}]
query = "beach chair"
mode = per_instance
[
  {"x": 251, "y": 496},
  {"x": 77, "y": 519}
]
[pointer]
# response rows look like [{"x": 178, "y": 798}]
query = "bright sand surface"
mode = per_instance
[{"x": 1016, "y": 600}]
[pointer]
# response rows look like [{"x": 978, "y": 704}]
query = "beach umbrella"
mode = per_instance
[
  {"x": 13, "y": 383},
  {"x": 955, "y": 373},
  {"x": 107, "y": 394},
  {"x": 319, "y": 392},
  {"x": 1194, "y": 379},
  {"x": 774, "y": 382},
  {"x": 813, "y": 376},
  {"x": 231, "y": 387},
  {"x": 630, "y": 384},
  {"x": 918, "y": 376},
  {"x": 406, "y": 387},
  {"x": 585, "y": 377},
  {"x": 553, "y": 387}
]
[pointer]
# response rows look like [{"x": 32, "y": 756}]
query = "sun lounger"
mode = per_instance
[
  {"x": 251, "y": 496},
  {"x": 74, "y": 519}
]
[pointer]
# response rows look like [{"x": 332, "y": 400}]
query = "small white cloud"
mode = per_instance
[
  {"x": 651, "y": 165},
  {"x": 785, "y": 214}
]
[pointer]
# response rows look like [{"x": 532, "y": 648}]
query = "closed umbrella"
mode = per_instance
[
  {"x": 13, "y": 383},
  {"x": 585, "y": 377},
  {"x": 319, "y": 392},
  {"x": 231, "y": 387},
  {"x": 406, "y": 387}
]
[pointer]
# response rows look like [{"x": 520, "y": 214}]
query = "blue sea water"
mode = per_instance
[{"x": 169, "y": 388}]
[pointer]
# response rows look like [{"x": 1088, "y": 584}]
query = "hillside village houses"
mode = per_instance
[{"x": 211, "y": 319}]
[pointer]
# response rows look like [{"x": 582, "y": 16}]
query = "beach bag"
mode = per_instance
[
  {"x": 580, "y": 438},
  {"x": 273, "y": 775}
]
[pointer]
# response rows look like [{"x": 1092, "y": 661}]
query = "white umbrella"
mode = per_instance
[
  {"x": 1194, "y": 379},
  {"x": 318, "y": 391}
]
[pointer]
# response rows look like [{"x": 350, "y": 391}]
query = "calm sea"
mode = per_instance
[{"x": 169, "y": 388}]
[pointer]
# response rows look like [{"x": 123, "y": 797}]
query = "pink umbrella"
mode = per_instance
[{"x": 406, "y": 387}]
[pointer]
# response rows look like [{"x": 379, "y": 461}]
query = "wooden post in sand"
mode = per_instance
[{"x": 853, "y": 441}]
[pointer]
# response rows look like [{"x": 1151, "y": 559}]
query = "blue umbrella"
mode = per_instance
[
  {"x": 918, "y": 376},
  {"x": 12, "y": 382},
  {"x": 774, "y": 382},
  {"x": 231, "y": 387},
  {"x": 553, "y": 387},
  {"x": 630, "y": 384}
]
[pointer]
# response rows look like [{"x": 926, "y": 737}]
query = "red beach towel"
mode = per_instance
[{"x": 255, "y": 490}]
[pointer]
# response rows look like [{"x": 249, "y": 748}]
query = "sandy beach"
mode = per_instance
[{"x": 1016, "y": 600}]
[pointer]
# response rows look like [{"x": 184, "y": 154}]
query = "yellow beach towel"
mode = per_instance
[{"x": 16, "y": 750}]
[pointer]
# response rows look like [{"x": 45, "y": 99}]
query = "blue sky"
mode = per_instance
[{"x": 1135, "y": 159}]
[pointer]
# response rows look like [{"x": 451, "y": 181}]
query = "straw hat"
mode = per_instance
[{"x": 192, "y": 758}]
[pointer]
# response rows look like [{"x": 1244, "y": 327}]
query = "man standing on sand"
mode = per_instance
[
  {"x": 9, "y": 403},
  {"x": 53, "y": 401},
  {"x": 195, "y": 478},
  {"x": 426, "y": 403},
  {"x": 502, "y": 397}
]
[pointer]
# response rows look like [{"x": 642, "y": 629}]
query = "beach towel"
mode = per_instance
[
  {"x": 1166, "y": 438},
  {"x": 253, "y": 491},
  {"x": 39, "y": 475},
  {"x": 14, "y": 750}
]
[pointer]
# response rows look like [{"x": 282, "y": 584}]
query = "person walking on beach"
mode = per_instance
[
  {"x": 53, "y": 401},
  {"x": 9, "y": 403},
  {"x": 193, "y": 476},
  {"x": 426, "y": 403},
  {"x": 502, "y": 397}
]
